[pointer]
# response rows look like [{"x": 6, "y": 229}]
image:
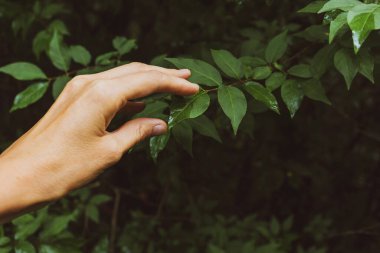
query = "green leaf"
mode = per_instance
[
  {"x": 228, "y": 63},
  {"x": 288, "y": 223},
  {"x": 58, "y": 53},
  {"x": 263, "y": 230},
  {"x": 263, "y": 95},
  {"x": 160, "y": 60},
  {"x": 58, "y": 26},
  {"x": 193, "y": 107},
  {"x": 183, "y": 134},
  {"x": 268, "y": 248},
  {"x": 41, "y": 42},
  {"x": 22, "y": 220},
  {"x": 275, "y": 226},
  {"x": 361, "y": 20},
  {"x": 250, "y": 46},
  {"x": 24, "y": 247},
  {"x": 27, "y": 225},
  {"x": 5, "y": 243},
  {"x": 252, "y": 61},
  {"x": 276, "y": 47},
  {"x": 322, "y": 61},
  {"x": 4, "y": 240},
  {"x": 56, "y": 225},
  {"x": 94, "y": 70},
  {"x": 80, "y": 55},
  {"x": 292, "y": 95},
  {"x": 201, "y": 72},
  {"x": 53, "y": 9},
  {"x": 157, "y": 144},
  {"x": 337, "y": 25},
  {"x": 344, "y": 5},
  {"x": 48, "y": 249},
  {"x": 301, "y": 70},
  {"x": 249, "y": 63},
  {"x": 233, "y": 103},
  {"x": 205, "y": 126},
  {"x": 366, "y": 64},
  {"x": 214, "y": 249},
  {"x": 261, "y": 73},
  {"x": 23, "y": 71},
  {"x": 92, "y": 212},
  {"x": 313, "y": 7},
  {"x": 313, "y": 89},
  {"x": 6, "y": 249},
  {"x": 314, "y": 33},
  {"x": 106, "y": 58},
  {"x": 29, "y": 96},
  {"x": 377, "y": 18},
  {"x": 346, "y": 63},
  {"x": 152, "y": 110},
  {"x": 275, "y": 81},
  {"x": 248, "y": 247},
  {"x": 100, "y": 199},
  {"x": 58, "y": 85},
  {"x": 102, "y": 246},
  {"x": 124, "y": 45}
]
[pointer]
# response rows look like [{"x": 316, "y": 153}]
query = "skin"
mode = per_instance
[{"x": 70, "y": 146}]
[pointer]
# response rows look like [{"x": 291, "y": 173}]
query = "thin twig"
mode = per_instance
[
  {"x": 362, "y": 231},
  {"x": 162, "y": 202},
  {"x": 129, "y": 193},
  {"x": 240, "y": 82},
  {"x": 299, "y": 53},
  {"x": 115, "y": 213}
]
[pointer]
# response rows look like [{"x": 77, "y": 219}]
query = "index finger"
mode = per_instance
[
  {"x": 135, "y": 67},
  {"x": 116, "y": 92}
]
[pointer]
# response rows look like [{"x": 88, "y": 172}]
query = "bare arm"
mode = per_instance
[{"x": 70, "y": 145}]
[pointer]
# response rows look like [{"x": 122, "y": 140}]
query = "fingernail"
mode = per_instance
[
  {"x": 159, "y": 129},
  {"x": 185, "y": 72},
  {"x": 196, "y": 86}
]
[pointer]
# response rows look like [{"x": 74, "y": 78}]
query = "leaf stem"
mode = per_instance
[{"x": 237, "y": 83}]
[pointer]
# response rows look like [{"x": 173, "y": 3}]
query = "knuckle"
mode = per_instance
[
  {"x": 76, "y": 82},
  {"x": 79, "y": 78},
  {"x": 97, "y": 92},
  {"x": 100, "y": 89},
  {"x": 137, "y": 65},
  {"x": 158, "y": 77}
]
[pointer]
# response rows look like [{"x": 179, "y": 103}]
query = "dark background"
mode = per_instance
[{"x": 323, "y": 166}]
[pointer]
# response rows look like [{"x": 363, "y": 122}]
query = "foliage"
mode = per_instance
[{"x": 255, "y": 69}]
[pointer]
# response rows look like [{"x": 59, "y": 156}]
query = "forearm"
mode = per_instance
[{"x": 21, "y": 189}]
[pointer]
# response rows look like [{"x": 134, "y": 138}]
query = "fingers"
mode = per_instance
[
  {"x": 113, "y": 94},
  {"x": 142, "y": 84},
  {"x": 137, "y": 130},
  {"x": 135, "y": 67}
]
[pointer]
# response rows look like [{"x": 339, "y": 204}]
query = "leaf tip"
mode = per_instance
[{"x": 14, "y": 108}]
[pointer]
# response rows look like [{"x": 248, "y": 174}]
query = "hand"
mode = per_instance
[{"x": 70, "y": 145}]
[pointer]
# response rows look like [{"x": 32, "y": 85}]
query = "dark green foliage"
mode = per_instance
[{"x": 263, "y": 182}]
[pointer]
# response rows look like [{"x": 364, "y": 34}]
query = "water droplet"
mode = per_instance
[{"x": 356, "y": 40}]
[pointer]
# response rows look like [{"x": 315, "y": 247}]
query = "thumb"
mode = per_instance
[{"x": 135, "y": 131}]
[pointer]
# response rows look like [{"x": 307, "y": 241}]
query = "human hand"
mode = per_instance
[{"x": 70, "y": 145}]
